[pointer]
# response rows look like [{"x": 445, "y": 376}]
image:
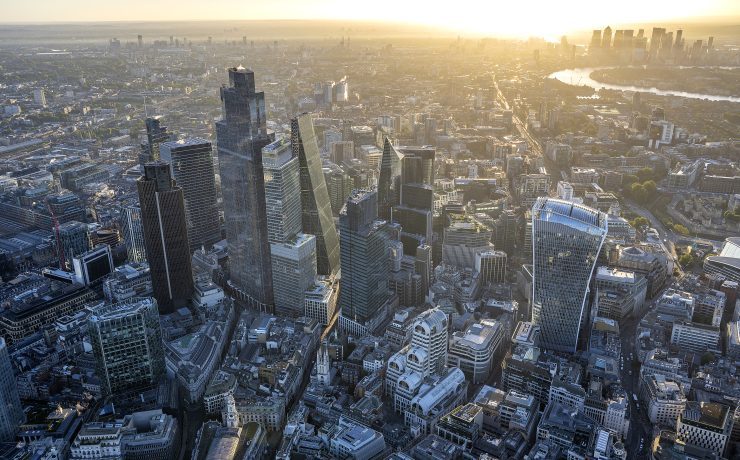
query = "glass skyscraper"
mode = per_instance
[
  {"x": 241, "y": 134},
  {"x": 388, "y": 180},
  {"x": 292, "y": 253},
  {"x": 282, "y": 191},
  {"x": 315, "y": 203},
  {"x": 127, "y": 344},
  {"x": 165, "y": 236},
  {"x": 365, "y": 262},
  {"x": 566, "y": 240},
  {"x": 133, "y": 234},
  {"x": 191, "y": 163},
  {"x": 11, "y": 411}
]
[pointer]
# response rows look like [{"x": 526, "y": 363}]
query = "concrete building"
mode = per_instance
[
  {"x": 321, "y": 300},
  {"x": 463, "y": 239},
  {"x": 491, "y": 265},
  {"x": 473, "y": 350},
  {"x": 293, "y": 272},
  {"x": 356, "y": 442},
  {"x": 663, "y": 398},
  {"x": 706, "y": 425},
  {"x": 127, "y": 281},
  {"x": 696, "y": 337},
  {"x": 463, "y": 426},
  {"x": 619, "y": 293}
]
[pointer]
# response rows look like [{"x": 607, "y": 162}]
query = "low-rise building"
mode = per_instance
[
  {"x": 696, "y": 337},
  {"x": 356, "y": 442},
  {"x": 473, "y": 351},
  {"x": 664, "y": 399},
  {"x": 705, "y": 425}
]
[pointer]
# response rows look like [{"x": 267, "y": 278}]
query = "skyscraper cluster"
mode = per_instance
[{"x": 279, "y": 224}]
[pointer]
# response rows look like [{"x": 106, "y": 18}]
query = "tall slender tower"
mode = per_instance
[
  {"x": 11, "y": 411},
  {"x": 133, "y": 233},
  {"x": 365, "y": 240},
  {"x": 241, "y": 134},
  {"x": 191, "y": 164},
  {"x": 292, "y": 253},
  {"x": 388, "y": 180},
  {"x": 566, "y": 240},
  {"x": 165, "y": 236},
  {"x": 315, "y": 203}
]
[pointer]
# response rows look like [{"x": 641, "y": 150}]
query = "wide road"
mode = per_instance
[{"x": 630, "y": 370}]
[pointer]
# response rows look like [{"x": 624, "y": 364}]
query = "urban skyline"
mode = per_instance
[{"x": 289, "y": 239}]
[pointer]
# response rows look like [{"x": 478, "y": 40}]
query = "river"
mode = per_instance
[{"x": 582, "y": 77}]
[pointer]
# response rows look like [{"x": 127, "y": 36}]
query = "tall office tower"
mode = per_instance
[
  {"x": 39, "y": 97},
  {"x": 140, "y": 39},
  {"x": 127, "y": 344},
  {"x": 656, "y": 40},
  {"x": 191, "y": 165},
  {"x": 423, "y": 266},
  {"x": 155, "y": 135},
  {"x": 567, "y": 238},
  {"x": 618, "y": 39},
  {"x": 293, "y": 272},
  {"x": 315, "y": 203},
  {"x": 241, "y": 133},
  {"x": 133, "y": 233},
  {"x": 165, "y": 236},
  {"x": 339, "y": 185},
  {"x": 506, "y": 231},
  {"x": 390, "y": 171},
  {"x": 678, "y": 45},
  {"x": 72, "y": 240},
  {"x": 491, "y": 265},
  {"x": 341, "y": 151},
  {"x": 424, "y": 171},
  {"x": 11, "y": 411},
  {"x": 363, "y": 292},
  {"x": 293, "y": 254},
  {"x": 606, "y": 38},
  {"x": 282, "y": 191},
  {"x": 595, "y": 40},
  {"x": 414, "y": 211}
]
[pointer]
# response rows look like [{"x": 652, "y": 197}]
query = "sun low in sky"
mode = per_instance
[{"x": 513, "y": 18}]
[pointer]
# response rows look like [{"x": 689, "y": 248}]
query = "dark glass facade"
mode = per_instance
[
  {"x": 191, "y": 162},
  {"x": 165, "y": 236},
  {"x": 241, "y": 135}
]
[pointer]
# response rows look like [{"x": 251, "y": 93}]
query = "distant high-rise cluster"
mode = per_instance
[{"x": 662, "y": 45}]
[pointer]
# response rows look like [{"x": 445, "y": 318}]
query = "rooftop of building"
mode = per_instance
[{"x": 710, "y": 414}]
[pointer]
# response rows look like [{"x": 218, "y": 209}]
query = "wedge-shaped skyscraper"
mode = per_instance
[
  {"x": 315, "y": 203},
  {"x": 566, "y": 239}
]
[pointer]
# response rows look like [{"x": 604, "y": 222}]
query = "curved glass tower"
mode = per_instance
[{"x": 566, "y": 239}]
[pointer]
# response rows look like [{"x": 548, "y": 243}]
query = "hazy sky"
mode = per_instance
[{"x": 504, "y": 17}]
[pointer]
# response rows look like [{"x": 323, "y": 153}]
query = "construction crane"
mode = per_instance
[{"x": 60, "y": 250}]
